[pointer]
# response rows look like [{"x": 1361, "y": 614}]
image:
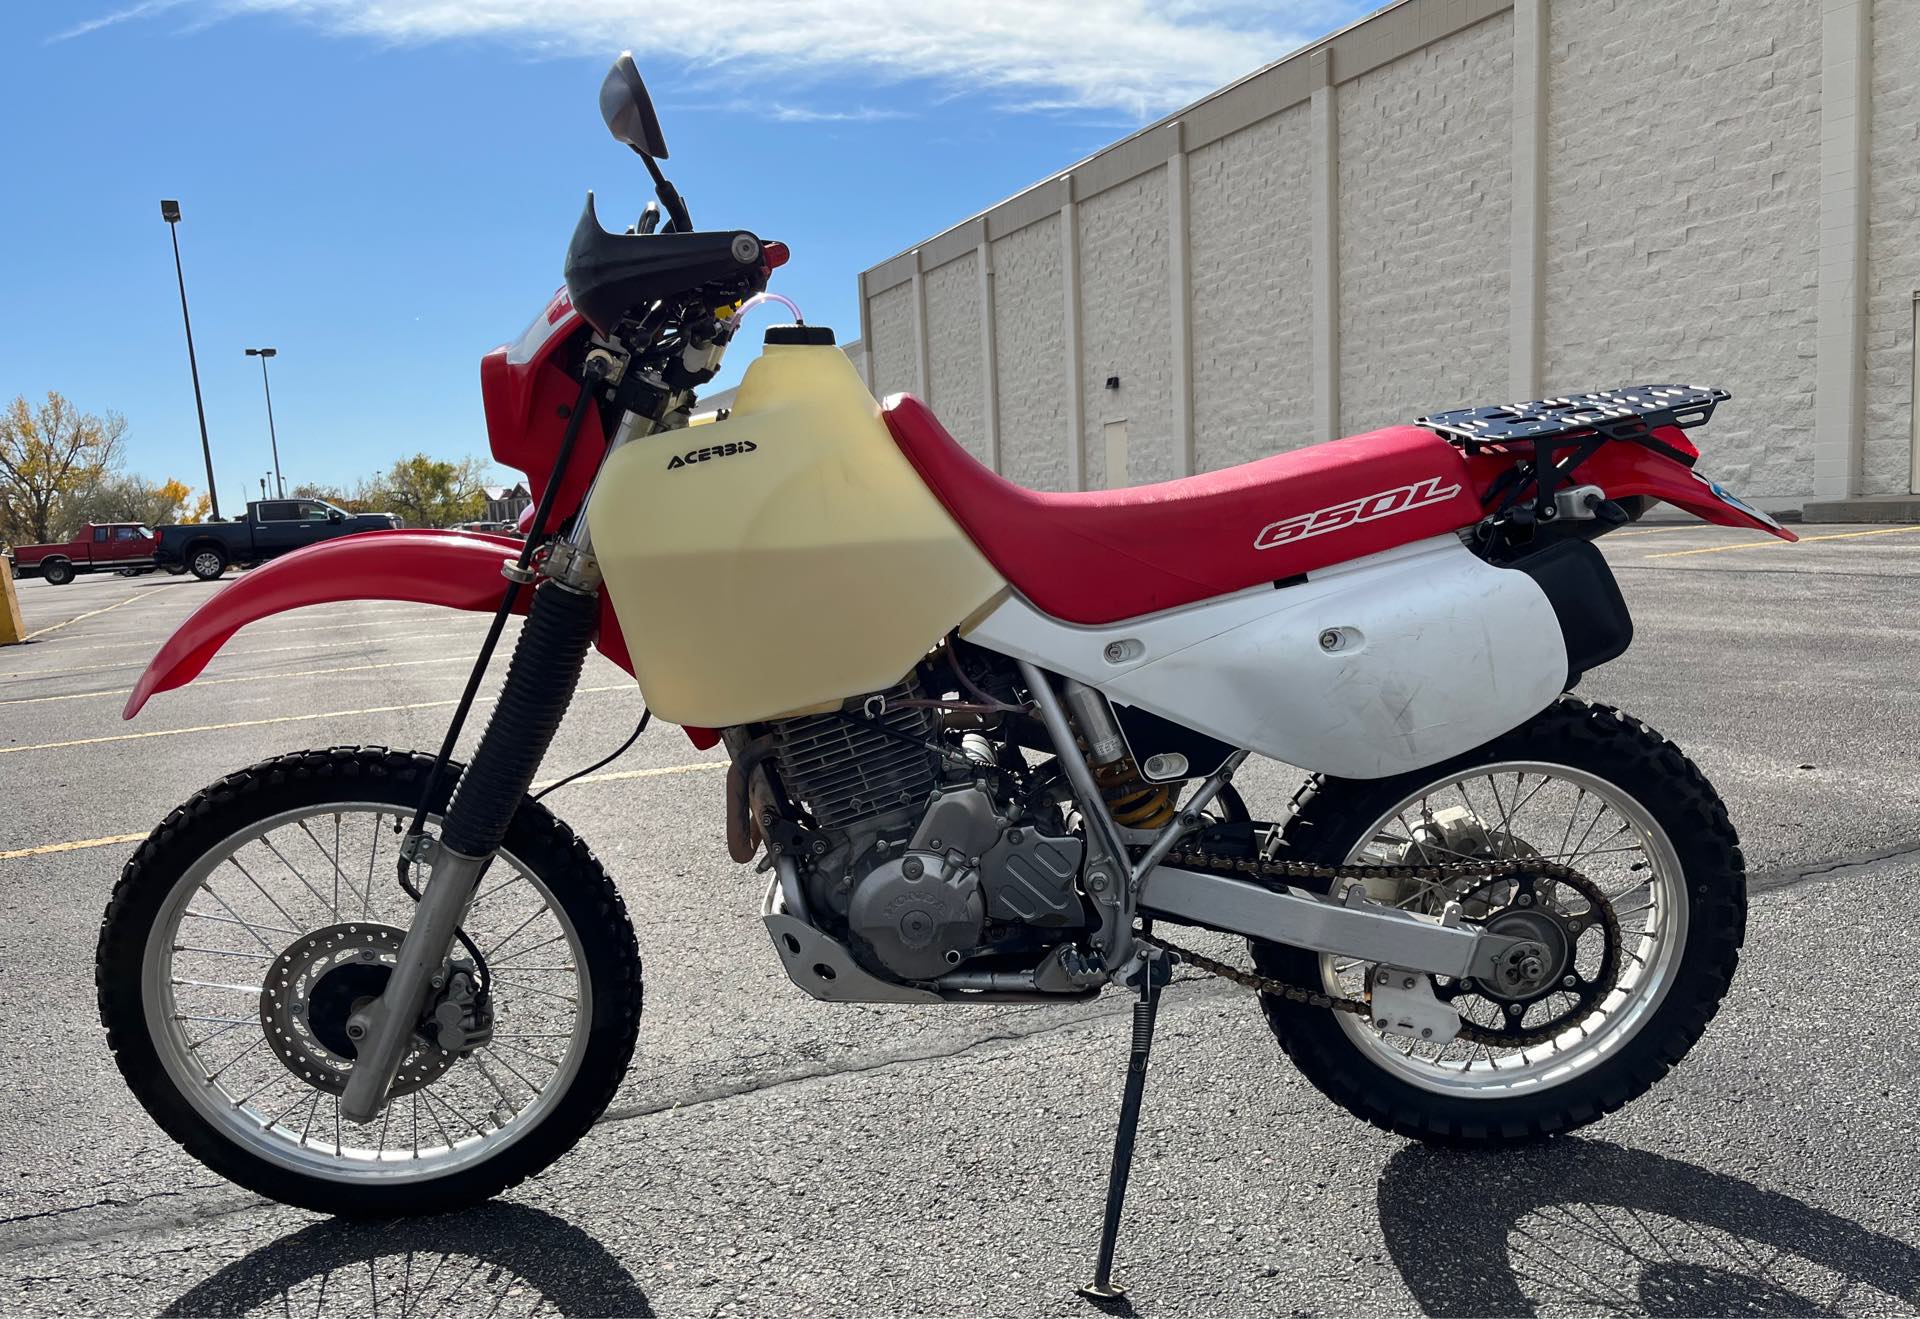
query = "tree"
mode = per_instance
[
  {"x": 429, "y": 493},
  {"x": 48, "y": 455},
  {"x": 119, "y": 498}
]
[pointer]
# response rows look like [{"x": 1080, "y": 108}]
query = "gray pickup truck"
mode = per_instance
[{"x": 271, "y": 527}]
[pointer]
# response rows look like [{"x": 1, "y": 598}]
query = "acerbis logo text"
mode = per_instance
[
  {"x": 1354, "y": 511},
  {"x": 727, "y": 450}
]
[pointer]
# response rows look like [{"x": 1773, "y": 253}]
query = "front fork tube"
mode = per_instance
[{"x": 541, "y": 679}]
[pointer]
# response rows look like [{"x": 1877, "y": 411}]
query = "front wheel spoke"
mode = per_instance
[
  {"x": 458, "y": 1116},
  {"x": 258, "y": 1041},
  {"x": 445, "y": 1139},
  {"x": 216, "y": 1021},
  {"x": 318, "y": 896},
  {"x": 551, "y": 1062},
  {"x": 518, "y": 1075},
  {"x": 505, "y": 1098},
  {"x": 216, "y": 984},
  {"x": 221, "y": 952},
  {"x": 333, "y": 860},
  {"x": 233, "y": 918},
  {"x": 273, "y": 902},
  {"x": 530, "y": 948},
  {"x": 539, "y": 911},
  {"x": 312, "y": 1110},
  {"x": 520, "y": 985}
]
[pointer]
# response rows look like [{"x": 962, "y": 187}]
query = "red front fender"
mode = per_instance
[{"x": 427, "y": 567}]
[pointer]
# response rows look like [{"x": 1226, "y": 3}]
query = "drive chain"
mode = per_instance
[{"x": 1278, "y": 873}]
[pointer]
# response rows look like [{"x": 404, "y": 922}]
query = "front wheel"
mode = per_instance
[
  {"x": 255, "y": 920},
  {"x": 1579, "y": 784}
]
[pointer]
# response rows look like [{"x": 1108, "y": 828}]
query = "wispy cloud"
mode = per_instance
[
  {"x": 145, "y": 9},
  {"x": 801, "y": 114},
  {"x": 1138, "y": 56}
]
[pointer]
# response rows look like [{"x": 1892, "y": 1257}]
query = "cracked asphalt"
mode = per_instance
[{"x": 773, "y": 1156}]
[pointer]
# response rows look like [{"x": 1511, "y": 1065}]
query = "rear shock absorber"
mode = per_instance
[{"x": 1133, "y": 802}]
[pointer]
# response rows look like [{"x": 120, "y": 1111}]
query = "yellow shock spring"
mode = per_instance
[{"x": 1134, "y": 803}]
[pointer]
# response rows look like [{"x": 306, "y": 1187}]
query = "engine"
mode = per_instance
[{"x": 919, "y": 850}]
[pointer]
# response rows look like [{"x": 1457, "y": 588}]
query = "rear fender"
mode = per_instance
[
  {"x": 458, "y": 571},
  {"x": 1626, "y": 470}
]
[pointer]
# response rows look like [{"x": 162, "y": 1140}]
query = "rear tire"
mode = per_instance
[
  {"x": 56, "y": 572},
  {"x": 1334, "y": 822},
  {"x": 207, "y": 562},
  {"x": 349, "y": 778}
]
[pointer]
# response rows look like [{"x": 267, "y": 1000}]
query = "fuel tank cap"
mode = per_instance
[{"x": 812, "y": 336}]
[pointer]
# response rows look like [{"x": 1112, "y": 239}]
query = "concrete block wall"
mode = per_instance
[
  {"x": 1683, "y": 217},
  {"x": 1893, "y": 249},
  {"x": 1461, "y": 201},
  {"x": 1125, "y": 312},
  {"x": 1252, "y": 313},
  {"x": 955, "y": 358},
  {"x": 1030, "y": 358},
  {"x": 1426, "y": 203}
]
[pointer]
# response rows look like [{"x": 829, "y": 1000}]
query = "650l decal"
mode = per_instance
[{"x": 1367, "y": 509}]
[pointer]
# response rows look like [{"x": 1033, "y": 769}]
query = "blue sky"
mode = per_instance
[{"x": 384, "y": 190}]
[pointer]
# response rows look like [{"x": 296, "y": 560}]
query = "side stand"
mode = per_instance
[{"x": 1153, "y": 978}]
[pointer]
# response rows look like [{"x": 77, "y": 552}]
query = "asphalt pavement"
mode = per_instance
[{"x": 770, "y": 1155}]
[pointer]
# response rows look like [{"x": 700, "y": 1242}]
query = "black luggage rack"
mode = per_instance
[
  {"x": 1581, "y": 422},
  {"x": 1633, "y": 413}
]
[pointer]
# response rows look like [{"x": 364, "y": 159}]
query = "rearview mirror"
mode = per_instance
[{"x": 628, "y": 110}]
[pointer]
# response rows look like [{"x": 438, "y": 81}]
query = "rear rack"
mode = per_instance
[
  {"x": 1542, "y": 430},
  {"x": 1633, "y": 413}
]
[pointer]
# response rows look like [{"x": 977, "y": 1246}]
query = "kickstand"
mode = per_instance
[{"x": 1153, "y": 978}]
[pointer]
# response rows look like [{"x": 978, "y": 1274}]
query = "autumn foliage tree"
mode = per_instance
[{"x": 49, "y": 455}]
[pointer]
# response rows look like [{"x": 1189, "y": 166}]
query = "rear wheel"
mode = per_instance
[
  {"x": 264, "y": 911},
  {"x": 1579, "y": 784},
  {"x": 207, "y": 562},
  {"x": 57, "y": 572}
]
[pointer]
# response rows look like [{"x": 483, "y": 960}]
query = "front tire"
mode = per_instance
[
  {"x": 1677, "y": 857},
  {"x": 197, "y": 938}
]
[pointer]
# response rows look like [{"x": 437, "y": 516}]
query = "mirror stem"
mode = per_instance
[{"x": 669, "y": 195}]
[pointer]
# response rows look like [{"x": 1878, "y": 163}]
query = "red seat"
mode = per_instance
[{"x": 1103, "y": 555}]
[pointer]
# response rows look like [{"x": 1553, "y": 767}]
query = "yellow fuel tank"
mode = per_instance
[{"x": 783, "y": 559}]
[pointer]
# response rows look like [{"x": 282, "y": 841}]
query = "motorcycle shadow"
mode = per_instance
[
  {"x": 1585, "y": 1227},
  {"x": 498, "y": 1259}
]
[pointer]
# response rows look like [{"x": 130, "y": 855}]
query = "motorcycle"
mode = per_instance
[{"x": 982, "y": 740}]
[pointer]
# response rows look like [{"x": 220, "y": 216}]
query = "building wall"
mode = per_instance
[
  {"x": 1893, "y": 254},
  {"x": 1126, "y": 312},
  {"x": 954, "y": 352},
  {"x": 1683, "y": 216},
  {"x": 1426, "y": 207},
  {"x": 1253, "y": 314},
  {"x": 890, "y": 339},
  {"x": 1380, "y": 226},
  {"x": 1028, "y": 319}
]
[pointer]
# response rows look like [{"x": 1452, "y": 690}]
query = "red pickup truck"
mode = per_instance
[{"x": 100, "y": 547}]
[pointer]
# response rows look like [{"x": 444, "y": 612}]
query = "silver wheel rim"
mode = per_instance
[
  {"x": 1602, "y": 832},
  {"x": 206, "y": 563},
  {"x": 260, "y": 888}
]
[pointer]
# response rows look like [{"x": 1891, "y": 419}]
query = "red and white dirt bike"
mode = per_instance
[{"x": 982, "y": 738}]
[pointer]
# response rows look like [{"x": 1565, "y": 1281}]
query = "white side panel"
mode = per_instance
[{"x": 1434, "y": 652}]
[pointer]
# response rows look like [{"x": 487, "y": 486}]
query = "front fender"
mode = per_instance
[{"x": 457, "y": 570}]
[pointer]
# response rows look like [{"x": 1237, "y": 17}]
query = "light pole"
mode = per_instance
[
  {"x": 170, "y": 212},
  {"x": 280, "y": 485}
]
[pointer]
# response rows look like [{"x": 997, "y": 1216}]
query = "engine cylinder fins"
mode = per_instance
[{"x": 846, "y": 771}]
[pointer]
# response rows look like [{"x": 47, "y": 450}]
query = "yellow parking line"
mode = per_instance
[
  {"x": 252, "y": 677},
  {"x": 1804, "y": 540},
  {"x": 1666, "y": 530},
  {"x": 91, "y": 613},
  {"x": 47, "y": 849},
  {"x": 619, "y": 775},
  {"x": 276, "y": 719}
]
